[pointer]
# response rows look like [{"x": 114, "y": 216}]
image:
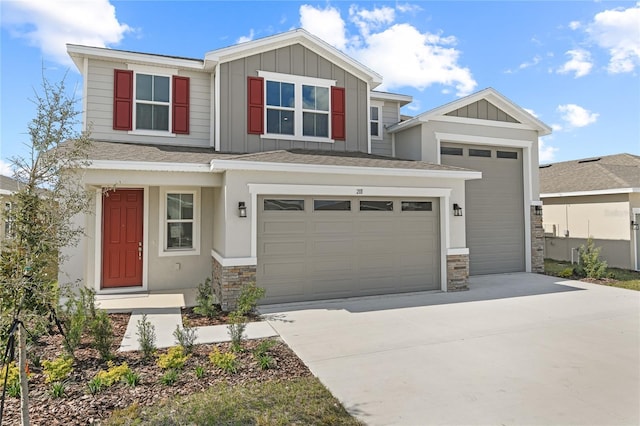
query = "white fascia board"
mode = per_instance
[
  {"x": 75, "y": 50},
  {"x": 346, "y": 191},
  {"x": 223, "y": 165},
  {"x": 233, "y": 261},
  {"x": 395, "y": 97},
  {"x": 594, "y": 192},
  {"x": 457, "y": 251},
  {"x": 148, "y": 166}
]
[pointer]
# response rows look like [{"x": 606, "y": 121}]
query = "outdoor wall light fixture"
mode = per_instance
[
  {"x": 537, "y": 210},
  {"x": 457, "y": 210},
  {"x": 242, "y": 209},
  {"x": 635, "y": 225}
]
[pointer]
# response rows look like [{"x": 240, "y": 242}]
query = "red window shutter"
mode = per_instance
[
  {"x": 255, "y": 101},
  {"x": 338, "y": 131},
  {"x": 180, "y": 105},
  {"x": 122, "y": 100}
]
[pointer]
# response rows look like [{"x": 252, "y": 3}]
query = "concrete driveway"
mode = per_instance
[{"x": 517, "y": 349}]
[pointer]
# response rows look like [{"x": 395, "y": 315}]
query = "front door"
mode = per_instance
[{"x": 122, "y": 238}]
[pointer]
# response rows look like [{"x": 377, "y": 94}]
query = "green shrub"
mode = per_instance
[
  {"x": 261, "y": 353},
  {"x": 235, "y": 328},
  {"x": 96, "y": 385},
  {"x": 174, "y": 359},
  {"x": 12, "y": 376},
  {"x": 58, "y": 369},
  {"x": 74, "y": 319},
  {"x": 205, "y": 305},
  {"x": 130, "y": 378},
  {"x": 566, "y": 273},
  {"x": 57, "y": 389},
  {"x": 186, "y": 337},
  {"x": 199, "y": 370},
  {"x": 169, "y": 378},
  {"x": 248, "y": 299},
  {"x": 591, "y": 266},
  {"x": 102, "y": 333},
  {"x": 114, "y": 374},
  {"x": 226, "y": 361},
  {"x": 14, "y": 390},
  {"x": 146, "y": 337}
]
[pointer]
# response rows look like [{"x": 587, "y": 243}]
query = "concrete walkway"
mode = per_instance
[
  {"x": 165, "y": 321},
  {"x": 516, "y": 349}
]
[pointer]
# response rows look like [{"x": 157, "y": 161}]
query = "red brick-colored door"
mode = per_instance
[{"x": 122, "y": 238}]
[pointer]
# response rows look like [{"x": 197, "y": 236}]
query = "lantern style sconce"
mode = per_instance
[
  {"x": 457, "y": 210},
  {"x": 537, "y": 210},
  {"x": 242, "y": 209},
  {"x": 635, "y": 225}
]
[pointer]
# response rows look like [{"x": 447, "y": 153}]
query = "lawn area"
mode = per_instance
[
  {"x": 303, "y": 401},
  {"x": 622, "y": 278}
]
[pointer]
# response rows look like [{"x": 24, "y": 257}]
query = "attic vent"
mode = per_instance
[
  {"x": 544, "y": 166},
  {"x": 589, "y": 160}
]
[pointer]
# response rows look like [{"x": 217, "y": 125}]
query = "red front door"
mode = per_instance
[{"x": 122, "y": 238}]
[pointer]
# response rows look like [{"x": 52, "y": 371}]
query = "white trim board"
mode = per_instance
[
  {"x": 233, "y": 261},
  {"x": 594, "y": 192}
]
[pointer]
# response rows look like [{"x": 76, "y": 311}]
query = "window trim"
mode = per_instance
[
  {"x": 153, "y": 71},
  {"x": 298, "y": 109},
  {"x": 378, "y": 105},
  {"x": 162, "y": 229}
]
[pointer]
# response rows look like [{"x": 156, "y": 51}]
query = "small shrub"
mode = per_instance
[
  {"x": 14, "y": 390},
  {"x": 34, "y": 359},
  {"x": 174, "y": 359},
  {"x": 74, "y": 320},
  {"x": 102, "y": 332},
  {"x": 591, "y": 266},
  {"x": 566, "y": 273},
  {"x": 113, "y": 374},
  {"x": 13, "y": 379},
  {"x": 248, "y": 299},
  {"x": 57, "y": 389},
  {"x": 235, "y": 328},
  {"x": 226, "y": 361},
  {"x": 185, "y": 337},
  {"x": 261, "y": 353},
  {"x": 95, "y": 386},
  {"x": 131, "y": 379},
  {"x": 169, "y": 378},
  {"x": 205, "y": 300},
  {"x": 146, "y": 337},
  {"x": 58, "y": 369},
  {"x": 199, "y": 370}
]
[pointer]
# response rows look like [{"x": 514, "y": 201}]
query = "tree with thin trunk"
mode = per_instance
[{"x": 49, "y": 196}]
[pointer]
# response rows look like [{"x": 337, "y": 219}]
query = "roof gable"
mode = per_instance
[
  {"x": 297, "y": 36},
  {"x": 487, "y": 104}
]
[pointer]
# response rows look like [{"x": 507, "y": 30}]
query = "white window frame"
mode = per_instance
[
  {"x": 377, "y": 105},
  {"x": 298, "y": 82},
  {"x": 153, "y": 71},
  {"x": 162, "y": 246}
]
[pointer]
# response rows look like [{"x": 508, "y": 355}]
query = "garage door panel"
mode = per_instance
[{"x": 347, "y": 253}]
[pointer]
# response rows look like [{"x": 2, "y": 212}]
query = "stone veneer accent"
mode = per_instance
[
  {"x": 457, "y": 272},
  {"x": 228, "y": 282},
  {"x": 537, "y": 242}
]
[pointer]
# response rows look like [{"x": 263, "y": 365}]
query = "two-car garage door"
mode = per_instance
[{"x": 323, "y": 247}]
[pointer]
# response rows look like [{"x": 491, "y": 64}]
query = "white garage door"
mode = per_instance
[
  {"x": 494, "y": 207},
  {"x": 321, "y": 248}
]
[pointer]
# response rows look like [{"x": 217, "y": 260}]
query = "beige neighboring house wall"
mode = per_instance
[
  {"x": 597, "y": 198},
  {"x": 8, "y": 187}
]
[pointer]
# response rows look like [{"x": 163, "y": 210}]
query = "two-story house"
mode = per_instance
[{"x": 275, "y": 160}]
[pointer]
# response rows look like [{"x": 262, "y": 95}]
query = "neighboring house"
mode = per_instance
[
  {"x": 593, "y": 197},
  {"x": 275, "y": 160},
  {"x": 8, "y": 187}
]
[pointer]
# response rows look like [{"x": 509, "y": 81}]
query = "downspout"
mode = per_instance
[
  {"x": 216, "y": 106},
  {"x": 368, "y": 127}
]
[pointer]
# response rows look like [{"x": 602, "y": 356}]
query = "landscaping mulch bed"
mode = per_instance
[
  {"x": 79, "y": 407},
  {"x": 191, "y": 319}
]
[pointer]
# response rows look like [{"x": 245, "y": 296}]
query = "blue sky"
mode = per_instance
[{"x": 573, "y": 64}]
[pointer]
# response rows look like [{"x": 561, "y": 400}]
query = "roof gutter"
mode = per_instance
[
  {"x": 147, "y": 166},
  {"x": 594, "y": 192}
]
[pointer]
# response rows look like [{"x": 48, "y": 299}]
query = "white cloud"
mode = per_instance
[
  {"x": 324, "y": 23},
  {"x": 574, "y": 25},
  {"x": 618, "y": 31},
  {"x": 546, "y": 153},
  {"x": 6, "y": 168},
  {"x": 576, "y": 116},
  {"x": 530, "y": 111},
  {"x": 243, "y": 39},
  {"x": 49, "y": 25},
  {"x": 556, "y": 127},
  {"x": 400, "y": 52},
  {"x": 535, "y": 61},
  {"x": 406, "y": 7},
  {"x": 580, "y": 63}
]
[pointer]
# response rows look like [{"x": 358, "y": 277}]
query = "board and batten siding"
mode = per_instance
[
  {"x": 389, "y": 114},
  {"x": 294, "y": 60},
  {"x": 100, "y": 108},
  {"x": 483, "y": 110}
]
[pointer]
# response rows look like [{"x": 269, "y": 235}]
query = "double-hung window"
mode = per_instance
[
  {"x": 179, "y": 222},
  {"x": 284, "y": 106},
  {"x": 152, "y": 102}
]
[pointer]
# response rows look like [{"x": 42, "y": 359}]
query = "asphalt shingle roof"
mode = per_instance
[
  {"x": 115, "y": 151},
  {"x": 591, "y": 174}
]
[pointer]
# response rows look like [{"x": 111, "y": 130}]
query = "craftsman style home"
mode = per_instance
[{"x": 277, "y": 161}]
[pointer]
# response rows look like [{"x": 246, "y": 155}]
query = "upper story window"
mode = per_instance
[
  {"x": 375, "y": 120},
  {"x": 152, "y": 102},
  {"x": 145, "y": 101},
  {"x": 295, "y": 107}
]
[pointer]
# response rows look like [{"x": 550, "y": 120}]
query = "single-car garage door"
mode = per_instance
[
  {"x": 494, "y": 206},
  {"x": 321, "y": 248}
]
